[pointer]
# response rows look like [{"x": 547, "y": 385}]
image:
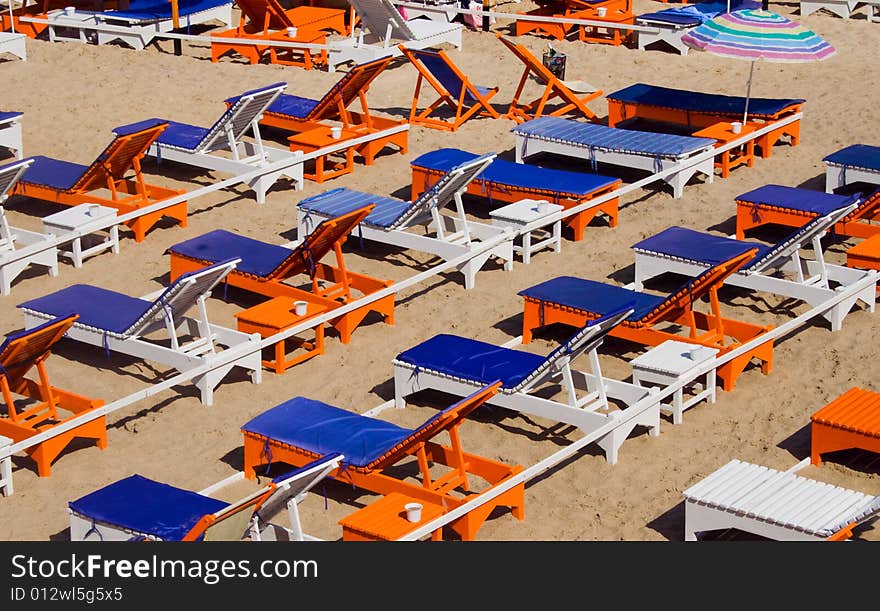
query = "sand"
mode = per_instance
[{"x": 73, "y": 95}]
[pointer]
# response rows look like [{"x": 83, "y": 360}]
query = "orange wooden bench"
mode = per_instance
[
  {"x": 21, "y": 352},
  {"x": 852, "y": 420}
]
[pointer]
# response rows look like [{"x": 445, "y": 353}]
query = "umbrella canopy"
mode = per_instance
[{"x": 754, "y": 34}]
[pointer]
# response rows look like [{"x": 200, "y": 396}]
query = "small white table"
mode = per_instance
[
  {"x": 674, "y": 361},
  {"x": 86, "y": 219},
  {"x": 527, "y": 212}
]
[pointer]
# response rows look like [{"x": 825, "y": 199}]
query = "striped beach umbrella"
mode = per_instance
[{"x": 754, "y": 34}]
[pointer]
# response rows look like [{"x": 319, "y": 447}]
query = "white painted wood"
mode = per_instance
[{"x": 10, "y": 130}]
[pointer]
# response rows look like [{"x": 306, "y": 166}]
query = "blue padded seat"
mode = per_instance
[
  {"x": 147, "y": 10},
  {"x": 148, "y": 507},
  {"x": 697, "y": 13},
  {"x": 502, "y": 173},
  {"x": 97, "y": 307},
  {"x": 448, "y": 78},
  {"x": 592, "y": 135},
  {"x": 795, "y": 198},
  {"x": 53, "y": 173},
  {"x": 183, "y": 135},
  {"x": 339, "y": 201},
  {"x": 10, "y": 115},
  {"x": 596, "y": 297},
  {"x": 287, "y": 105},
  {"x": 863, "y": 156},
  {"x": 693, "y": 245},
  {"x": 695, "y": 101},
  {"x": 258, "y": 258}
]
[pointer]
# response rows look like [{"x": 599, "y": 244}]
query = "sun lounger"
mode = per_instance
[
  {"x": 777, "y": 505},
  {"x": 610, "y": 11},
  {"x": 506, "y": 181},
  {"x": 851, "y": 421},
  {"x": 139, "y": 23},
  {"x": 696, "y": 110},
  {"x": 15, "y": 240},
  {"x": 385, "y": 29},
  {"x": 302, "y": 429},
  {"x": 457, "y": 365},
  {"x": 136, "y": 508},
  {"x": 34, "y": 406},
  {"x": 14, "y": 43},
  {"x": 653, "y": 152},
  {"x": 71, "y": 184},
  {"x": 310, "y": 119},
  {"x": 573, "y": 301},
  {"x": 793, "y": 206},
  {"x": 841, "y": 8},
  {"x": 10, "y": 132},
  {"x": 392, "y": 220},
  {"x": 779, "y": 268},
  {"x": 672, "y": 23},
  {"x": 574, "y": 95},
  {"x": 265, "y": 269},
  {"x": 268, "y": 19},
  {"x": 851, "y": 164},
  {"x": 120, "y": 323},
  {"x": 455, "y": 91},
  {"x": 222, "y": 146}
]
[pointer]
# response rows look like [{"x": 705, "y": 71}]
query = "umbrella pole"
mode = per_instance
[{"x": 748, "y": 91}]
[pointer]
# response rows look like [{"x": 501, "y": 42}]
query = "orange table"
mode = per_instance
[
  {"x": 608, "y": 35},
  {"x": 276, "y": 315},
  {"x": 731, "y": 158},
  {"x": 320, "y": 137},
  {"x": 865, "y": 254},
  {"x": 385, "y": 520},
  {"x": 852, "y": 420},
  {"x": 299, "y": 56}
]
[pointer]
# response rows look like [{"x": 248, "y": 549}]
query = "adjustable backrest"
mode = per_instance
[
  {"x": 230, "y": 523},
  {"x": 784, "y": 249},
  {"x": 10, "y": 175},
  {"x": 440, "y": 71},
  {"x": 329, "y": 234},
  {"x": 21, "y": 350},
  {"x": 239, "y": 117},
  {"x": 867, "y": 208},
  {"x": 181, "y": 295},
  {"x": 683, "y": 298},
  {"x": 129, "y": 146},
  {"x": 356, "y": 81},
  {"x": 442, "y": 421},
  {"x": 585, "y": 339},
  {"x": 377, "y": 15},
  {"x": 541, "y": 71},
  {"x": 455, "y": 180}
]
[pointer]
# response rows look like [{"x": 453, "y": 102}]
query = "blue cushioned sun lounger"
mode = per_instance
[
  {"x": 457, "y": 365},
  {"x": 672, "y": 23},
  {"x": 139, "y": 508},
  {"x": 651, "y": 151},
  {"x": 854, "y": 163},
  {"x": 777, "y": 269}
]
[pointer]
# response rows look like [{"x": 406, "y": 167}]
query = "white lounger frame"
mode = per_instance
[
  {"x": 227, "y": 138},
  {"x": 448, "y": 237},
  {"x": 811, "y": 281},
  {"x": 580, "y": 411},
  {"x": 191, "y": 290},
  {"x": 677, "y": 180},
  {"x": 841, "y": 8},
  {"x": 11, "y": 133},
  {"x": 14, "y": 42},
  {"x": 774, "y": 504},
  {"x": 669, "y": 33},
  {"x": 837, "y": 175},
  {"x": 138, "y": 33}
]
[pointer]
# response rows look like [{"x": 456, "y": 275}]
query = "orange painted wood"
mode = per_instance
[
  {"x": 850, "y": 421},
  {"x": 385, "y": 520}
]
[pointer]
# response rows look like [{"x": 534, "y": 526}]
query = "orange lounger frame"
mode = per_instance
[
  {"x": 705, "y": 329},
  {"x": 20, "y": 353},
  {"x": 329, "y": 235},
  {"x": 46, "y": 179},
  {"x": 571, "y": 9},
  {"x": 334, "y": 106},
  {"x": 553, "y": 88},
  {"x": 851, "y": 421},
  {"x": 267, "y": 19},
  {"x": 454, "y": 89},
  {"x": 261, "y": 449}
]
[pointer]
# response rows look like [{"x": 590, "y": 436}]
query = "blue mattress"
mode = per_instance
[
  {"x": 337, "y": 202},
  {"x": 470, "y": 359},
  {"x": 287, "y": 105},
  {"x": 861, "y": 156},
  {"x": 53, "y": 173},
  {"x": 148, "y": 507},
  {"x": 696, "y": 101},
  {"x": 182, "y": 135},
  {"x": 502, "y": 173},
  {"x": 9, "y": 115},
  {"x": 593, "y": 297},
  {"x": 795, "y": 198},
  {"x": 700, "y": 12},
  {"x": 447, "y": 77},
  {"x": 97, "y": 307},
  {"x": 698, "y": 246},
  {"x": 324, "y": 429},
  {"x": 151, "y": 10},
  {"x": 594, "y": 136},
  {"x": 131, "y": 128},
  {"x": 257, "y": 258}
]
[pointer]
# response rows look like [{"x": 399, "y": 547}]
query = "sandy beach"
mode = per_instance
[{"x": 73, "y": 95}]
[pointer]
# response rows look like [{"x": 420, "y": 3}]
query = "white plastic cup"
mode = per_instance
[
  {"x": 413, "y": 512},
  {"x": 69, "y": 10},
  {"x": 300, "y": 307},
  {"x": 291, "y": 31},
  {"x": 94, "y": 209},
  {"x": 543, "y": 206},
  {"x": 601, "y": 11},
  {"x": 736, "y": 127},
  {"x": 696, "y": 353},
  {"x": 336, "y": 132}
]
